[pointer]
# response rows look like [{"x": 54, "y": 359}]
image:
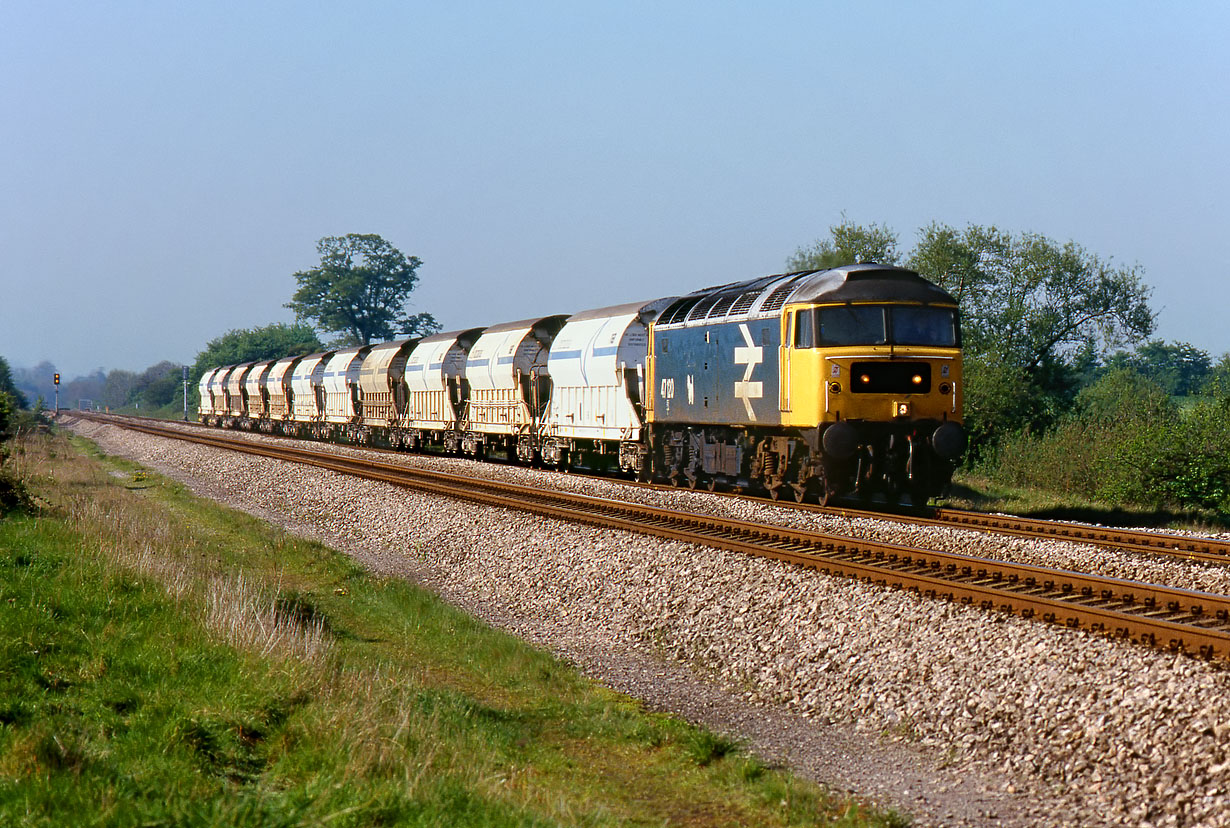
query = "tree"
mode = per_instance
[
  {"x": 850, "y": 244},
  {"x": 1178, "y": 369},
  {"x": 360, "y": 290},
  {"x": 1218, "y": 383},
  {"x": 8, "y": 386},
  {"x": 117, "y": 387},
  {"x": 251, "y": 345},
  {"x": 158, "y": 385},
  {"x": 1031, "y": 299},
  {"x": 1034, "y": 315},
  {"x": 36, "y": 382}
]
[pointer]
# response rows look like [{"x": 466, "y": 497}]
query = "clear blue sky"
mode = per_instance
[{"x": 167, "y": 166}]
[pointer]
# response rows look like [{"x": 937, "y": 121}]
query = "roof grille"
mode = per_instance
[
  {"x": 780, "y": 294},
  {"x": 745, "y": 301},
  {"x": 723, "y": 305},
  {"x": 677, "y": 311},
  {"x": 701, "y": 309}
]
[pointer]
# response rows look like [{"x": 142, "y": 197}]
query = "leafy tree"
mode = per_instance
[
  {"x": 6, "y": 415},
  {"x": 1030, "y": 298},
  {"x": 1035, "y": 315},
  {"x": 250, "y": 345},
  {"x": 1178, "y": 369},
  {"x": 8, "y": 386},
  {"x": 158, "y": 385},
  {"x": 850, "y": 244},
  {"x": 117, "y": 388},
  {"x": 1218, "y": 382},
  {"x": 360, "y": 289},
  {"x": 36, "y": 382}
]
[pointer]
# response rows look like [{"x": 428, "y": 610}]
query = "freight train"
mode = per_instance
[{"x": 807, "y": 385}]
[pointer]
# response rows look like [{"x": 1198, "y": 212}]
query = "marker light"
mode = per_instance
[{"x": 834, "y": 387}]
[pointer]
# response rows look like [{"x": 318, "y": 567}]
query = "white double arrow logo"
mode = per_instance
[{"x": 750, "y": 355}]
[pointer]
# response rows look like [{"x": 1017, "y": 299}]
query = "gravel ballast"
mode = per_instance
[{"x": 944, "y": 712}]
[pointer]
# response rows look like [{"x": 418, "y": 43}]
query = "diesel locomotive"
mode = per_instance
[{"x": 808, "y": 385}]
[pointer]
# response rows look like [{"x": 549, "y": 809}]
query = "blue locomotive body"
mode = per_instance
[{"x": 722, "y": 373}]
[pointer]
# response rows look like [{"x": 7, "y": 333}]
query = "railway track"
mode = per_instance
[
  {"x": 1168, "y": 545},
  {"x": 1178, "y": 620}
]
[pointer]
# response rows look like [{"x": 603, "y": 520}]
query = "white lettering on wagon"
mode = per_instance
[{"x": 750, "y": 355}]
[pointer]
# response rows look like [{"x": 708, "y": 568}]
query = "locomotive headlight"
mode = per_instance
[
  {"x": 916, "y": 379},
  {"x": 834, "y": 387},
  {"x": 864, "y": 379}
]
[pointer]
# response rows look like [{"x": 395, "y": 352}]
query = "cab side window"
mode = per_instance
[{"x": 804, "y": 329}]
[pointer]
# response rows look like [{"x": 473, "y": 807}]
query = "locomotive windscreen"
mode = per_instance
[{"x": 877, "y": 325}]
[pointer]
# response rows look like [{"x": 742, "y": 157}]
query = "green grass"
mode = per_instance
[
  {"x": 979, "y": 492},
  {"x": 166, "y": 661}
]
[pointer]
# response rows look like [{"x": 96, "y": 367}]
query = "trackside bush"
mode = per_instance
[
  {"x": 1193, "y": 467},
  {"x": 1126, "y": 444},
  {"x": 13, "y": 492}
]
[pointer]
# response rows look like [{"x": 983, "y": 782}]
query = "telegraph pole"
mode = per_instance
[{"x": 185, "y": 393}]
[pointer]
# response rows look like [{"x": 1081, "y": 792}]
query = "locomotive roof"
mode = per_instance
[
  {"x": 767, "y": 295},
  {"x": 870, "y": 283}
]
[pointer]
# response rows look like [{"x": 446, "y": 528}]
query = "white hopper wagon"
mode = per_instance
[
  {"x": 254, "y": 388},
  {"x": 509, "y": 386},
  {"x": 341, "y": 382},
  {"x": 206, "y": 409},
  {"x": 382, "y": 388},
  {"x": 436, "y": 388},
  {"x": 278, "y": 389},
  {"x": 236, "y": 402},
  {"x": 307, "y": 385},
  {"x": 597, "y": 366}
]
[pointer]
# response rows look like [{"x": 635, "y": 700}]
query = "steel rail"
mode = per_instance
[
  {"x": 1196, "y": 623},
  {"x": 1193, "y": 548}
]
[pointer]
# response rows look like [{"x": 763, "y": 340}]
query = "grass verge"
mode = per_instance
[
  {"x": 167, "y": 661},
  {"x": 980, "y": 493}
]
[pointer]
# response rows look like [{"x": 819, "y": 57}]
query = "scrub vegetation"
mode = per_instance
[{"x": 167, "y": 661}]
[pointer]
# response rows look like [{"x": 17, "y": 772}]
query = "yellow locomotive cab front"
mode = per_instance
[{"x": 870, "y": 362}]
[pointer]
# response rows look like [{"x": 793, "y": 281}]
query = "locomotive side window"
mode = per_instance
[{"x": 805, "y": 329}]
